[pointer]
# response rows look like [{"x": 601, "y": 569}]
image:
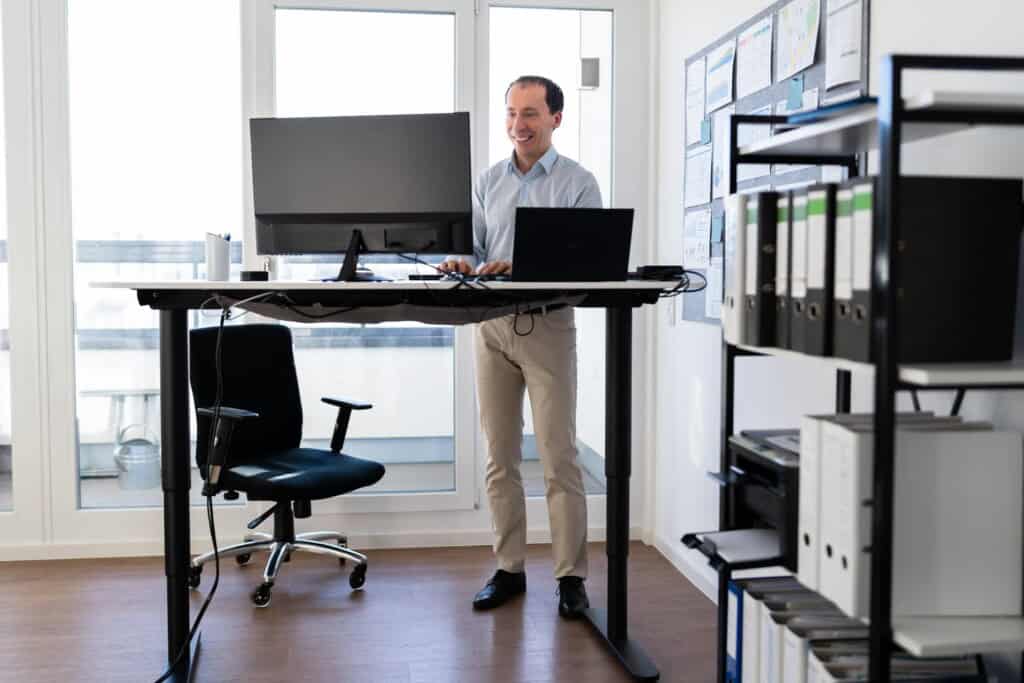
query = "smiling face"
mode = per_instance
[{"x": 529, "y": 122}]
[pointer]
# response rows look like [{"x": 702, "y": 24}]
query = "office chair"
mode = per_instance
[{"x": 256, "y": 447}]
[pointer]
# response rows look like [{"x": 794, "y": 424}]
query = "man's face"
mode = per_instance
[{"x": 528, "y": 120}]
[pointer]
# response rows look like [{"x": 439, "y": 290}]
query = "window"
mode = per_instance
[
  {"x": 6, "y": 449},
  {"x": 156, "y": 149},
  {"x": 347, "y": 63},
  {"x": 559, "y": 40}
]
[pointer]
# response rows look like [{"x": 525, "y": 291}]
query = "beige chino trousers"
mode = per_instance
[{"x": 543, "y": 363}]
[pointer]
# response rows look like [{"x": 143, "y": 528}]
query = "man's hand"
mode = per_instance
[
  {"x": 494, "y": 268},
  {"x": 456, "y": 265}
]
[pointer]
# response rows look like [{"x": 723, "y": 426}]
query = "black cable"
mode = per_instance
[
  {"x": 684, "y": 285},
  {"x": 186, "y": 646},
  {"x": 461, "y": 277},
  {"x": 291, "y": 306},
  {"x": 515, "y": 323}
]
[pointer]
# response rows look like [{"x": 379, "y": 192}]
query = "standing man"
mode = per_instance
[{"x": 543, "y": 362}]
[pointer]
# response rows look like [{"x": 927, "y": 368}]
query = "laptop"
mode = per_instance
[{"x": 571, "y": 245}]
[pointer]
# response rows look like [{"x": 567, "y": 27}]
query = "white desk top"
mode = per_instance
[{"x": 437, "y": 285}]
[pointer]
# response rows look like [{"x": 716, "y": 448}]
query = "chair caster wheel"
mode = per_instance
[
  {"x": 261, "y": 596},
  {"x": 243, "y": 559},
  {"x": 358, "y": 577},
  {"x": 194, "y": 576}
]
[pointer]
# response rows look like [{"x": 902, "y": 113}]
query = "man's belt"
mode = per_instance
[{"x": 544, "y": 310}]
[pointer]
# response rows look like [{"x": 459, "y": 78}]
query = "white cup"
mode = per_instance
[{"x": 218, "y": 257}]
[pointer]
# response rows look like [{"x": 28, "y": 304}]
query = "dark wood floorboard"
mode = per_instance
[{"x": 103, "y": 621}]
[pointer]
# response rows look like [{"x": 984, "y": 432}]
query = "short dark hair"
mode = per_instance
[{"x": 552, "y": 93}]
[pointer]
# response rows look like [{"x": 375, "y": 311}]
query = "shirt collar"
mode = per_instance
[{"x": 547, "y": 162}]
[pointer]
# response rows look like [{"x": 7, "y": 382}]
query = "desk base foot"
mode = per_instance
[
  {"x": 629, "y": 652},
  {"x": 193, "y": 661}
]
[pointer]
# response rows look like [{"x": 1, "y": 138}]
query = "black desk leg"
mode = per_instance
[
  {"x": 612, "y": 624},
  {"x": 176, "y": 479}
]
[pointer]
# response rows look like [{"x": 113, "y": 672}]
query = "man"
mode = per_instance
[{"x": 543, "y": 361}]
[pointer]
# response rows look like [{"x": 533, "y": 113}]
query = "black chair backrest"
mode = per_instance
[{"x": 258, "y": 371}]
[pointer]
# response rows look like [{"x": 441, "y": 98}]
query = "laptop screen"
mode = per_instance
[{"x": 571, "y": 245}]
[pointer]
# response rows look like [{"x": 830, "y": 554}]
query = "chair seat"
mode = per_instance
[{"x": 301, "y": 474}]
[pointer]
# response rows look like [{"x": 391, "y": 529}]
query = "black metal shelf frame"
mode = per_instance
[{"x": 885, "y": 324}]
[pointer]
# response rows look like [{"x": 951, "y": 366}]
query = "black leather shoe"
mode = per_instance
[
  {"x": 502, "y": 587},
  {"x": 572, "y": 597}
]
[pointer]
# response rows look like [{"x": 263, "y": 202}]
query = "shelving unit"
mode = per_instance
[{"x": 841, "y": 140}]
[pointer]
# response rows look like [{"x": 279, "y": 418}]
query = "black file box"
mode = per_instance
[
  {"x": 821, "y": 232},
  {"x": 959, "y": 252},
  {"x": 798, "y": 271},
  {"x": 783, "y": 254},
  {"x": 760, "y": 264}
]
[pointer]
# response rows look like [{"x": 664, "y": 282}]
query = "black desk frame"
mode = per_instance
[{"x": 174, "y": 304}]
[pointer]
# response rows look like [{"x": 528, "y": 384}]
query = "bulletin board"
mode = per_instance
[{"x": 736, "y": 74}]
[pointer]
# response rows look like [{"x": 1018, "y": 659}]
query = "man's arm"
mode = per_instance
[
  {"x": 461, "y": 263},
  {"x": 590, "y": 195}
]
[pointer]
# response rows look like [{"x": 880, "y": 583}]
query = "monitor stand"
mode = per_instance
[{"x": 349, "y": 272}]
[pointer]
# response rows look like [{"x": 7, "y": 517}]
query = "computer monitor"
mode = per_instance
[{"x": 352, "y": 184}]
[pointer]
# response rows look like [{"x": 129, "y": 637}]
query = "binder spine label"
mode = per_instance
[
  {"x": 782, "y": 254},
  {"x": 798, "y": 278},
  {"x": 816, "y": 240},
  {"x": 750, "y": 285},
  {"x": 863, "y": 219},
  {"x": 734, "y": 221},
  {"x": 844, "y": 245}
]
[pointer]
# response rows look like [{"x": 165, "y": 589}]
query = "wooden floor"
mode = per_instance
[{"x": 102, "y": 620}]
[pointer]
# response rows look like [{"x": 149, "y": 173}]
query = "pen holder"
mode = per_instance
[{"x": 218, "y": 257}]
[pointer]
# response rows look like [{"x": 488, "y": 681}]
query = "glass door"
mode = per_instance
[
  {"x": 144, "y": 156},
  {"x": 22, "y": 443},
  {"x": 573, "y": 48},
  {"x": 360, "y": 58}
]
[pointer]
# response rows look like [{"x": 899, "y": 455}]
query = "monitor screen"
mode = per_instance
[{"x": 395, "y": 183}]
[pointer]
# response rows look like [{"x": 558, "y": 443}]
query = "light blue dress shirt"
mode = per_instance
[{"x": 554, "y": 181}]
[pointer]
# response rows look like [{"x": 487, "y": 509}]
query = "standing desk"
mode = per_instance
[{"x": 439, "y": 302}]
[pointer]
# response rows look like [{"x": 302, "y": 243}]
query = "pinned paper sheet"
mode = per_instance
[
  {"x": 843, "y": 40},
  {"x": 782, "y": 108},
  {"x": 697, "y": 240},
  {"x": 694, "y": 100},
  {"x": 713, "y": 293},
  {"x": 754, "y": 58},
  {"x": 720, "y": 148},
  {"x": 798, "y": 37},
  {"x": 720, "y": 69},
  {"x": 698, "y": 176}
]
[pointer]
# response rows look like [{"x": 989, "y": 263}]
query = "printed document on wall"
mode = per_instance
[
  {"x": 754, "y": 58},
  {"x": 749, "y": 134},
  {"x": 720, "y": 67},
  {"x": 798, "y": 37},
  {"x": 809, "y": 102},
  {"x": 720, "y": 144},
  {"x": 713, "y": 293},
  {"x": 698, "y": 176},
  {"x": 697, "y": 239},
  {"x": 843, "y": 42},
  {"x": 694, "y": 100}
]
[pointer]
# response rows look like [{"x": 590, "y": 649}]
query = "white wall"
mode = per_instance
[{"x": 772, "y": 392}]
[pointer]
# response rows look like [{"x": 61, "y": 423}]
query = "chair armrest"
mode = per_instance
[
  {"x": 228, "y": 413},
  {"x": 345, "y": 403},
  {"x": 345, "y": 408},
  {"x": 223, "y": 427}
]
